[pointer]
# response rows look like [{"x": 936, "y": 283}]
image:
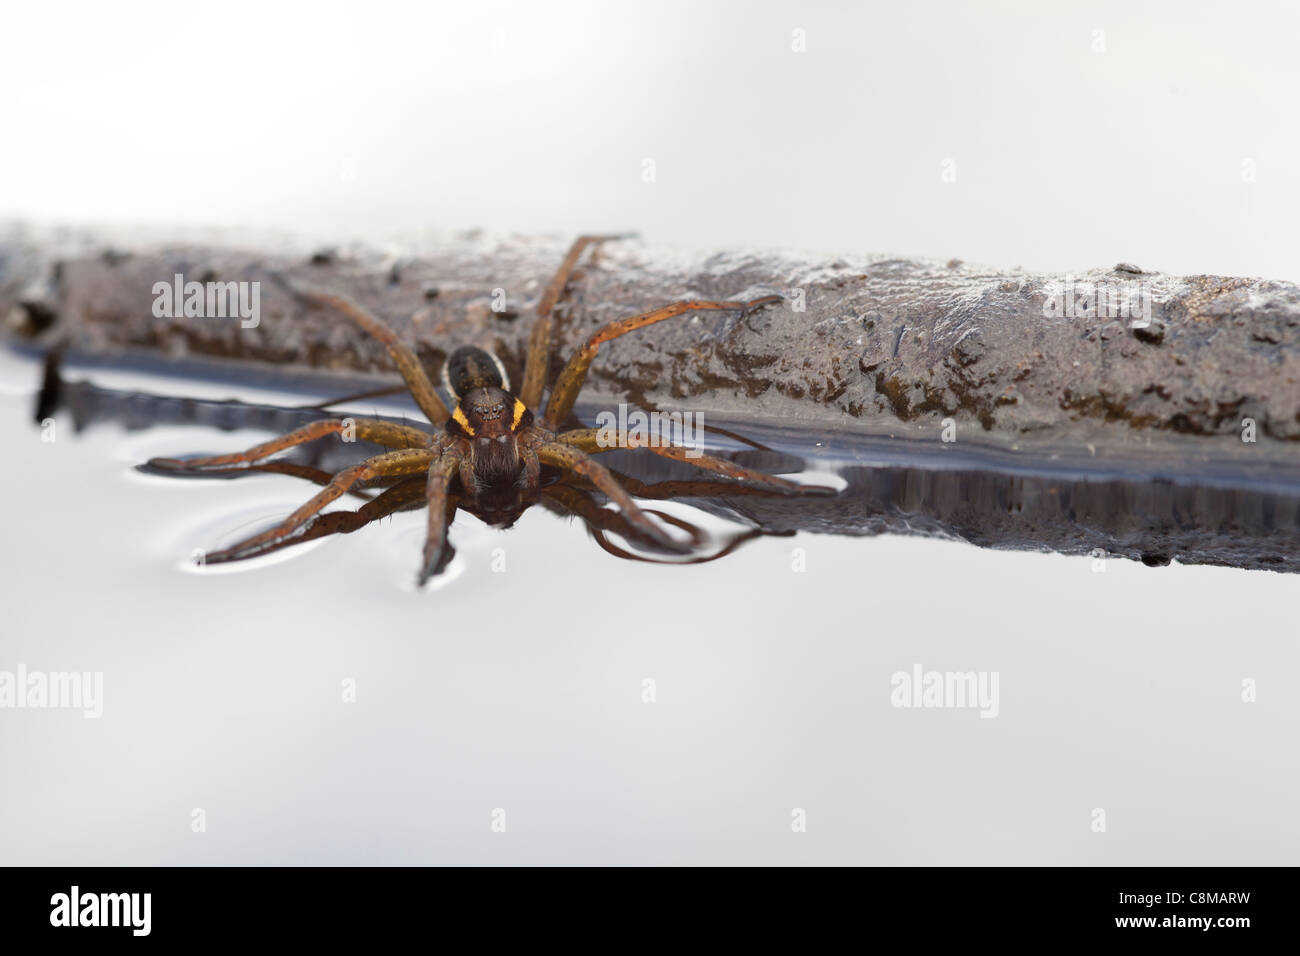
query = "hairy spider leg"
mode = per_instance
[
  {"x": 380, "y": 432},
  {"x": 408, "y": 364},
  {"x": 577, "y": 462},
  {"x": 408, "y": 461},
  {"x": 664, "y": 490},
  {"x": 590, "y": 440},
  {"x": 538, "y": 361},
  {"x": 734, "y": 542},
  {"x": 317, "y": 476},
  {"x": 438, "y": 551},
  {"x": 569, "y": 384},
  {"x": 580, "y": 503},
  {"x": 601, "y": 521},
  {"x": 404, "y": 494}
]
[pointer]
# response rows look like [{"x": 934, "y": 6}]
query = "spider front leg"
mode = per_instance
[
  {"x": 438, "y": 552},
  {"x": 577, "y": 462},
  {"x": 408, "y": 364},
  {"x": 531, "y": 479},
  {"x": 393, "y": 463},
  {"x": 368, "y": 429},
  {"x": 539, "y": 341},
  {"x": 569, "y": 384}
]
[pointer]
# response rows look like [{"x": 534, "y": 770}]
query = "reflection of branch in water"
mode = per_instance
[{"x": 1238, "y": 519}]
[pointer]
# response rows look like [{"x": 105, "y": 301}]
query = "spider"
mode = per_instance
[{"x": 496, "y": 449}]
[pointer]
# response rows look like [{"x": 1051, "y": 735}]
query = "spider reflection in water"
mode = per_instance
[{"x": 494, "y": 455}]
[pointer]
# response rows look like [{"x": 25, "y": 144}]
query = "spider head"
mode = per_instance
[{"x": 488, "y": 415}]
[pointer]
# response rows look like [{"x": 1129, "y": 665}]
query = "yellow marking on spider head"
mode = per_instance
[
  {"x": 459, "y": 418},
  {"x": 520, "y": 408}
]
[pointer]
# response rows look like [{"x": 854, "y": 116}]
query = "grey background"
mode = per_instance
[{"x": 1119, "y": 690}]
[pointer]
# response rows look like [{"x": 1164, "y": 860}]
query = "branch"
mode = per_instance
[{"x": 868, "y": 345}]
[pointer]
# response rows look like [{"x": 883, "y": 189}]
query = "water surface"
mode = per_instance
[{"x": 524, "y": 690}]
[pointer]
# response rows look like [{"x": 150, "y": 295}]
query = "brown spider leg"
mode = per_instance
[
  {"x": 573, "y": 423},
  {"x": 567, "y": 386},
  {"x": 317, "y": 476},
  {"x": 735, "y": 542},
  {"x": 404, "y": 494},
  {"x": 665, "y": 490},
  {"x": 393, "y": 463},
  {"x": 368, "y": 429},
  {"x": 711, "y": 429},
  {"x": 531, "y": 478},
  {"x": 577, "y": 462},
  {"x": 407, "y": 363},
  {"x": 600, "y": 521},
  {"x": 539, "y": 341},
  {"x": 438, "y": 552},
  {"x": 589, "y": 440},
  {"x": 580, "y": 503}
]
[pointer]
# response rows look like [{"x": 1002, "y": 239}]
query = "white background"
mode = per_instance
[
  {"x": 523, "y": 690},
  {"x": 377, "y": 118}
]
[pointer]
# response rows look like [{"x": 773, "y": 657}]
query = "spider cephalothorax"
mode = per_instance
[
  {"x": 487, "y": 421},
  {"x": 494, "y": 445}
]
